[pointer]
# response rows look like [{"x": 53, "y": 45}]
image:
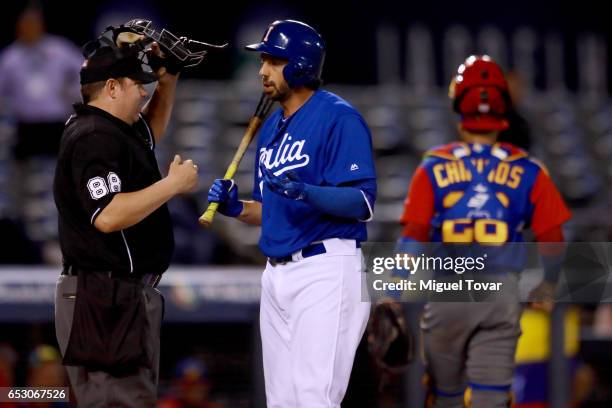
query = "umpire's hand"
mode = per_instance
[
  {"x": 183, "y": 175},
  {"x": 225, "y": 192}
]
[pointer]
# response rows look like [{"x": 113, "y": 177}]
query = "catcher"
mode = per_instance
[{"x": 483, "y": 192}]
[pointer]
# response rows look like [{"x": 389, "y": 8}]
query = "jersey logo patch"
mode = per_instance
[
  {"x": 477, "y": 201},
  {"x": 354, "y": 167},
  {"x": 288, "y": 156}
]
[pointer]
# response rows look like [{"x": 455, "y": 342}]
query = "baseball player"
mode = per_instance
[
  {"x": 115, "y": 228},
  {"x": 314, "y": 189},
  {"x": 483, "y": 192}
]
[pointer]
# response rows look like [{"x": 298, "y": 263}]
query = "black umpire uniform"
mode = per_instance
[{"x": 107, "y": 311}]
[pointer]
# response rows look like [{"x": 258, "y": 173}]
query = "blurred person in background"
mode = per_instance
[
  {"x": 8, "y": 356},
  {"x": 45, "y": 370},
  {"x": 190, "y": 387},
  {"x": 39, "y": 81}
]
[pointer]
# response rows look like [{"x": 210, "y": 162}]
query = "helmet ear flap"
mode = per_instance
[
  {"x": 296, "y": 73},
  {"x": 290, "y": 73}
]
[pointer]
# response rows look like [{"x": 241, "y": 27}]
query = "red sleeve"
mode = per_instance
[
  {"x": 418, "y": 207},
  {"x": 550, "y": 210},
  {"x": 555, "y": 234},
  {"x": 551, "y": 242}
]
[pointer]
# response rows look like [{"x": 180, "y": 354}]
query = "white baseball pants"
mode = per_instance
[{"x": 312, "y": 318}]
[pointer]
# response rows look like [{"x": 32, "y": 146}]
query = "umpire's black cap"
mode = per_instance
[{"x": 109, "y": 62}]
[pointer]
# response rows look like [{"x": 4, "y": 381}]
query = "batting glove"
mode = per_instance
[
  {"x": 287, "y": 184},
  {"x": 225, "y": 192}
]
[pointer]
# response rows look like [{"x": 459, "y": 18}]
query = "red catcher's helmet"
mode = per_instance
[{"x": 480, "y": 94}]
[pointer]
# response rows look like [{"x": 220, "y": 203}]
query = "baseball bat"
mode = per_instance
[{"x": 263, "y": 107}]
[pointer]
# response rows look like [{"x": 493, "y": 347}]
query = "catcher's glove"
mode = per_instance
[{"x": 390, "y": 340}]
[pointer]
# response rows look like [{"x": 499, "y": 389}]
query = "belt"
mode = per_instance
[
  {"x": 313, "y": 249},
  {"x": 148, "y": 279}
]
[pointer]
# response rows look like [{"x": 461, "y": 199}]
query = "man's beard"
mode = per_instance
[{"x": 280, "y": 93}]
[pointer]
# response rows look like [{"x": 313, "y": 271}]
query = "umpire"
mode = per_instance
[{"x": 115, "y": 228}]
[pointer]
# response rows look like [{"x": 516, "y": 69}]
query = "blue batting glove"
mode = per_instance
[
  {"x": 287, "y": 184},
  {"x": 225, "y": 192}
]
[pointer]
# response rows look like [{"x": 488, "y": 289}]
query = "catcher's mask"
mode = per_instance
[
  {"x": 125, "y": 51},
  {"x": 189, "y": 52},
  {"x": 479, "y": 93},
  {"x": 104, "y": 59}
]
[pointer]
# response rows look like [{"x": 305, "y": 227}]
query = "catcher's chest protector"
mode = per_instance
[{"x": 479, "y": 197}]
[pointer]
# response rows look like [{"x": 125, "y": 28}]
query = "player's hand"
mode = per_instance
[
  {"x": 155, "y": 57},
  {"x": 163, "y": 63},
  {"x": 287, "y": 184},
  {"x": 183, "y": 175},
  {"x": 542, "y": 297},
  {"x": 225, "y": 192}
]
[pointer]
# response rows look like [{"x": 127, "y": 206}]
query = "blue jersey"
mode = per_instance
[
  {"x": 480, "y": 182},
  {"x": 325, "y": 143},
  {"x": 473, "y": 193}
]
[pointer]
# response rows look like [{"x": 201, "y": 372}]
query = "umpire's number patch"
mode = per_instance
[{"x": 98, "y": 187}]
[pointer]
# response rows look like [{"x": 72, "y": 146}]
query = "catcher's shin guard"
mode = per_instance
[
  {"x": 504, "y": 389},
  {"x": 433, "y": 392}
]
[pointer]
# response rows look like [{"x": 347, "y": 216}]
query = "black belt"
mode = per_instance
[
  {"x": 307, "y": 252},
  {"x": 148, "y": 279}
]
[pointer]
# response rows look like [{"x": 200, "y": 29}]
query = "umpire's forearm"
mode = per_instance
[
  {"x": 127, "y": 209},
  {"x": 159, "y": 108},
  {"x": 251, "y": 213}
]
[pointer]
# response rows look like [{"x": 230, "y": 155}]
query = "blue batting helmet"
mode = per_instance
[{"x": 298, "y": 43}]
